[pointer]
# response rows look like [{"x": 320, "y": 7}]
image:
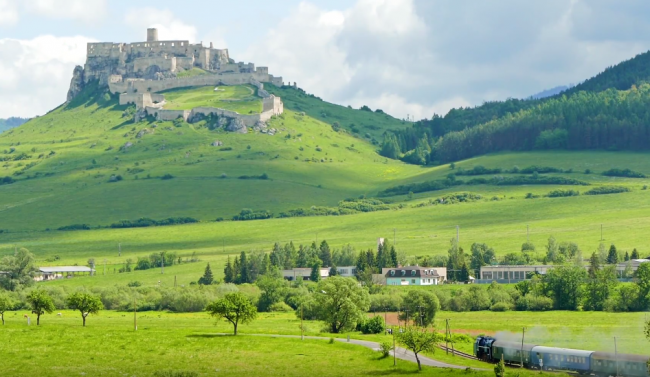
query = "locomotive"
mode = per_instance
[{"x": 533, "y": 356}]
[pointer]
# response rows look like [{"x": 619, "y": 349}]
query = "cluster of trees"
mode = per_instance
[
  {"x": 40, "y": 302},
  {"x": 140, "y": 223},
  {"x": 157, "y": 260},
  {"x": 584, "y": 120}
]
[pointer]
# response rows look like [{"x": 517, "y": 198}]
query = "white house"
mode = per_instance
[{"x": 413, "y": 275}]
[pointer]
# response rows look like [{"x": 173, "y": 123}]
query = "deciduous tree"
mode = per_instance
[
  {"x": 5, "y": 304},
  {"x": 564, "y": 284},
  {"x": 423, "y": 306},
  {"x": 342, "y": 303},
  {"x": 85, "y": 303},
  {"x": 18, "y": 270},
  {"x": 235, "y": 308},
  {"x": 41, "y": 303},
  {"x": 418, "y": 340}
]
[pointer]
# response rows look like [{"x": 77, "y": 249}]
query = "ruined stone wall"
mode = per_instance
[
  {"x": 165, "y": 64},
  {"x": 173, "y": 83},
  {"x": 249, "y": 120},
  {"x": 167, "y": 115}
]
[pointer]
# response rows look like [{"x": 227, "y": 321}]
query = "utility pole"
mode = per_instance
[
  {"x": 385, "y": 320},
  {"x": 616, "y": 355},
  {"x": 523, "y": 335},
  {"x": 119, "y": 249},
  {"x": 527, "y": 234},
  {"x": 457, "y": 233},
  {"x": 447, "y": 336},
  {"x": 394, "y": 236},
  {"x": 421, "y": 316},
  {"x": 302, "y": 329},
  {"x": 601, "y": 232},
  {"x": 162, "y": 263},
  {"x": 174, "y": 281},
  {"x": 394, "y": 349},
  {"x": 135, "y": 314}
]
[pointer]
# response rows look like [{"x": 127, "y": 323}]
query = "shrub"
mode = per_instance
[
  {"x": 75, "y": 227},
  {"x": 534, "y": 303},
  {"x": 167, "y": 176},
  {"x": 501, "y": 307},
  {"x": 478, "y": 170},
  {"x": 602, "y": 190},
  {"x": 539, "y": 169},
  {"x": 623, "y": 173},
  {"x": 249, "y": 214},
  {"x": 374, "y": 325},
  {"x": 562, "y": 193},
  {"x": 280, "y": 307},
  {"x": 384, "y": 349},
  {"x": 134, "y": 284}
]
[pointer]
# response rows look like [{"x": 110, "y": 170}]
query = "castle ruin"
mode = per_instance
[{"x": 137, "y": 71}]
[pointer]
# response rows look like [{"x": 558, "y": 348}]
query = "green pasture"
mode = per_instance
[
  {"x": 239, "y": 98},
  {"x": 108, "y": 346}
]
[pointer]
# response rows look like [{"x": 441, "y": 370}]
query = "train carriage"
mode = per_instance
[
  {"x": 551, "y": 358},
  {"x": 512, "y": 352},
  {"x": 609, "y": 364}
]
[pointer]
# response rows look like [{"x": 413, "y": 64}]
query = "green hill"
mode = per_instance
[{"x": 87, "y": 163}]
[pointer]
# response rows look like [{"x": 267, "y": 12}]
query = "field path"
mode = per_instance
[{"x": 402, "y": 353}]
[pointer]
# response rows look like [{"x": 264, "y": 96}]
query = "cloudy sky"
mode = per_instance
[{"x": 407, "y": 57}]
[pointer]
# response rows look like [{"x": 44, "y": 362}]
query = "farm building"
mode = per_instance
[
  {"x": 413, "y": 275},
  {"x": 60, "y": 272}
]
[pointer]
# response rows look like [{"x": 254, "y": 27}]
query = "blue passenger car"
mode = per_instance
[{"x": 551, "y": 358}]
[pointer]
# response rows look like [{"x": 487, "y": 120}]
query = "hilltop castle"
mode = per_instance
[{"x": 137, "y": 70}]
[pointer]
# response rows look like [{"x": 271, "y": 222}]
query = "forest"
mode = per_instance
[{"x": 606, "y": 112}]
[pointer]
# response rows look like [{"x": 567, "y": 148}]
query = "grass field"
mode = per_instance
[
  {"x": 240, "y": 98},
  {"x": 188, "y": 342},
  {"x": 70, "y": 154}
]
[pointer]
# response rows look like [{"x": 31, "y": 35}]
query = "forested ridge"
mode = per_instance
[{"x": 607, "y": 111}]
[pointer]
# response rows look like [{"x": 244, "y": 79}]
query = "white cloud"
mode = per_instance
[
  {"x": 169, "y": 27},
  {"x": 421, "y": 56},
  {"x": 37, "y": 72},
  {"x": 82, "y": 10},
  {"x": 8, "y": 13}
]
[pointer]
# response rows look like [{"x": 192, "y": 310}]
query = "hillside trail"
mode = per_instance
[{"x": 402, "y": 353}]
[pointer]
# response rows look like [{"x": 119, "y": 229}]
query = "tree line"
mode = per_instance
[{"x": 609, "y": 120}]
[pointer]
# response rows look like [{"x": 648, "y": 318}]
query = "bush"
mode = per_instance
[
  {"x": 562, "y": 193},
  {"x": 478, "y": 170},
  {"x": 146, "y": 222},
  {"x": 374, "y": 325},
  {"x": 384, "y": 349},
  {"x": 607, "y": 190},
  {"x": 134, "y": 284},
  {"x": 501, "y": 307},
  {"x": 75, "y": 227},
  {"x": 249, "y": 214},
  {"x": 534, "y": 303},
  {"x": 167, "y": 176},
  {"x": 623, "y": 173},
  {"x": 280, "y": 307}
]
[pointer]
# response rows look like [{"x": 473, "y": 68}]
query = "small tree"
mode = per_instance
[
  {"x": 235, "y": 308},
  {"x": 5, "y": 305},
  {"x": 207, "y": 278},
  {"x": 500, "y": 368},
  {"x": 41, "y": 303},
  {"x": 418, "y": 340},
  {"x": 341, "y": 303},
  {"x": 612, "y": 257},
  {"x": 85, "y": 303},
  {"x": 315, "y": 271},
  {"x": 635, "y": 254}
]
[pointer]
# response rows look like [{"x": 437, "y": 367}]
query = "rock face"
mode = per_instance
[
  {"x": 143, "y": 132},
  {"x": 217, "y": 143},
  {"x": 237, "y": 125},
  {"x": 77, "y": 82}
]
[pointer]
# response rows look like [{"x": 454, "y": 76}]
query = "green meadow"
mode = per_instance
[
  {"x": 240, "y": 98},
  {"x": 191, "y": 342},
  {"x": 66, "y": 166}
]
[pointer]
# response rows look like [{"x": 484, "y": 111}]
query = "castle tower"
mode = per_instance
[{"x": 152, "y": 35}]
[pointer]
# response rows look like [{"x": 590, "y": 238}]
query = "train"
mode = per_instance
[{"x": 532, "y": 356}]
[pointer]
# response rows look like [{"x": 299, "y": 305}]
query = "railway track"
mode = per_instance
[{"x": 457, "y": 353}]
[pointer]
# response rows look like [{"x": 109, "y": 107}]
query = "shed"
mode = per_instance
[{"x": 59, "y": 272}]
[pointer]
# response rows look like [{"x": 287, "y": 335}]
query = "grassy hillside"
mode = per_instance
[
  {"x": 240, "y": 98},
  {"x": 365, "y": 123},
  {"x": 63, "y": 163}
]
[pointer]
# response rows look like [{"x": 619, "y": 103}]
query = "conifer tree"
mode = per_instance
[
  {"x": 244, "y": 274},
  {"x": 207, "y": 277},
  {"x": 635, "y": 254},
  {"x": 393, "y": 256},
  {"x": 302, "y": 257},
  {"x": 627, "y": 256},
  {"x": 315, "y": 271},
  {"x": 229, "y": 272},
  {"x": 612, "y": 257},
  {"x": 325, "y": 255},
  {"x": 594, "y": 265}
]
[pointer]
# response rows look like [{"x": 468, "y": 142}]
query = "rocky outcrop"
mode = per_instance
[
  {"x": 77, "y": 83},
  {"x": 237, "y": 125},
  {"x": 217, "y": 143}
]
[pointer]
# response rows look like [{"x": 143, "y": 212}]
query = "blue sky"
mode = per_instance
[{"x": 407, "y": 57}]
